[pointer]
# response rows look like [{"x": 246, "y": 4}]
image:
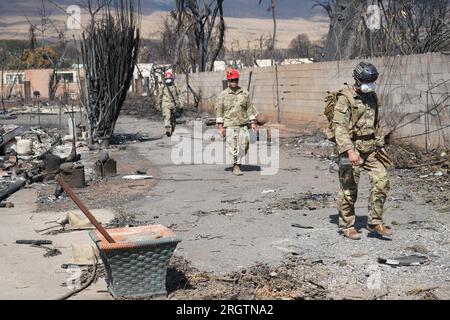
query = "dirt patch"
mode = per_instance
[
  {"x": 422, "y": 175},
  {"x": 427, "y": 188},
  {"x": 294, "y": 279},
  {"x": 302, "y": 201},
  {"x": 313, "y": 146},
  {"x": 418, "y": 174}
]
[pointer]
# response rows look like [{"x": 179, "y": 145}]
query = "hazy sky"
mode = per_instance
[
  {"x": 251, "y": 8},
  {"x": 236, "y": 8}
]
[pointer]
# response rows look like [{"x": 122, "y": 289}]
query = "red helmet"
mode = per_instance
[
  {"x": 232, "y": 74},
  {"x": 168, "y": 75}
]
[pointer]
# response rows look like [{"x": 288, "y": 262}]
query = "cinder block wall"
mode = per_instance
[{"x": 414, "y": 91}]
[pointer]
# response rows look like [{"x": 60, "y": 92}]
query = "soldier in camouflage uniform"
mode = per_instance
[
  {"x": 234, "y": 111},
  {"x": 168, "y": 101},
  {"x": 358, "y": 144}
]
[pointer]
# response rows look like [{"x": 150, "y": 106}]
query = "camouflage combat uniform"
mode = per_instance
[
  {"x": 235, "y": 110},
  {"x": 168, "y": 101},
  {"x": 365, "y": 137}
]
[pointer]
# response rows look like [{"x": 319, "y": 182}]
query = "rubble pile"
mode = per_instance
[
  {"x": 314, "y": 146},
  {"x": 43, "y": 108},
  {"x": 294, "y": 279},
  {"x": 5, "y": 115},
  {"x": 302, "y": 201},
  {"x": 22, "y": 151},
  {"x": 410, "y": 157},
  {"x": 29, "y": 156}
]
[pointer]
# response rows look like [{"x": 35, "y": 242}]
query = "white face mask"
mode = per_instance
[
  {"x": 368, "y": 87},
  {"x": 168, "y": 81}
]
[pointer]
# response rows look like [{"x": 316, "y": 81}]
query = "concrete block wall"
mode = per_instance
[{"x": 413, "y": 88}]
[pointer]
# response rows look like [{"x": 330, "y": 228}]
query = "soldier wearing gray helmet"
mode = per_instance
[{"x": 358, "y": 138}]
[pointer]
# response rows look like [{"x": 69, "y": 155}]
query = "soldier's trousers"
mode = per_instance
[
  {"x": 238, "y": 140},
  {"x": 167, "y": 114},
  {"x": 349, "y": 179}
]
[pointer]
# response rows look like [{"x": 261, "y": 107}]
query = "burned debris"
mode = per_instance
[{"x": 24, "y": 156}]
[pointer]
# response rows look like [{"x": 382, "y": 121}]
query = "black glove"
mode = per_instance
[{"x": 387, "y": 138}]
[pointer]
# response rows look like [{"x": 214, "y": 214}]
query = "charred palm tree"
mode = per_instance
[{"x": 109, "y": 50}]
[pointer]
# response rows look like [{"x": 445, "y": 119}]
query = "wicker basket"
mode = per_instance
[{"x": 136, "y": 264}]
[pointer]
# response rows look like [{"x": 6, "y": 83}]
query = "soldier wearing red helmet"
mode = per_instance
[
  {"x": 168, "y": 101},
  {"x": 234, "y": 110}
]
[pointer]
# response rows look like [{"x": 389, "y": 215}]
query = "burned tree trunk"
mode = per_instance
[
  {"x": 109, "y": 50},
  {"x": 204, "y": 28},
  {"x": 344, "y": 28},
  {"x": 390, "y": 27}
]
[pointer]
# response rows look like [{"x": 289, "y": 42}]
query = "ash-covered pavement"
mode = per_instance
[
  {"x": 232, "y": 223},
  {"x": 251, "y": 237}
]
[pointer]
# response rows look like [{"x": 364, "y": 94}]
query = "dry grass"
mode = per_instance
[
  {"x": 244, "y": 31},
  {"x": 294, "y": 279}
]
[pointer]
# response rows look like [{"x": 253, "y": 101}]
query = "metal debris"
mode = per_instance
[
  {"x": 137, "y": 177},
  {"x": 412, "y": 260},
  {"x": 296, "y": 225}
]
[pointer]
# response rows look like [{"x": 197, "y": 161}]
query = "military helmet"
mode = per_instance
[
  {"x": 365, "y": 72},
  {"x": 232, "y": 74},
  {"x": 168, "y": 75}
]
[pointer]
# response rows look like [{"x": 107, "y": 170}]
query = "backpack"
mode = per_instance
[{"x": 330, "y": 103}]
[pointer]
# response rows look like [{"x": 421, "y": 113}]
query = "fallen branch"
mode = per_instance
[{"x": 426, "y": 164}]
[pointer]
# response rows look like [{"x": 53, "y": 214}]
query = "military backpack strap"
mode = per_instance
[
  {"x": 377, "y": 110},
  {"x": 351, "y": 100},
  {"x": 172, "y": 97},
  {"x": 162, "y": 97}
]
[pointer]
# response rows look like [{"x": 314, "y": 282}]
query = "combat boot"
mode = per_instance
[
  {"x": 168, "y": 131},
  {"x": 237, "y": 170},
  {"x": 351, "y": 233},
  {"x": 381, "y": 229}
]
